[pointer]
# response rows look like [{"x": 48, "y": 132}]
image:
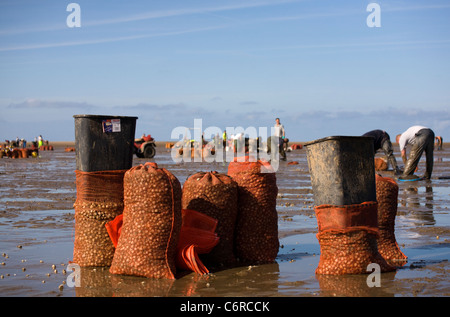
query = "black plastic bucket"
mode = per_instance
[
  {"x": 342, "y": 170},
  {"x": 104, "y": 143}
]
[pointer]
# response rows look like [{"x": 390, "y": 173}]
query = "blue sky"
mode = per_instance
[{"x": 313, "y": 63}]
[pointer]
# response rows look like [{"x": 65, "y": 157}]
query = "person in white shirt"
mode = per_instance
[
  {"x": 279, "y": 133},
  {"x": 420, "y": 139},
  {"x": 279, "y": 129}
]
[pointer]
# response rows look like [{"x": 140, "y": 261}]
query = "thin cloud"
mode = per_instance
[
  {"x": 249, "y": 103},
  {"x": 149, "y": 16},
  {"x": 389, "y": 8},
  {"x": 45, "y": 104},
  {"x": 108, "y": 40},
  {"x": 165, "y": 111},
  {"x": 186, "y": 11}
]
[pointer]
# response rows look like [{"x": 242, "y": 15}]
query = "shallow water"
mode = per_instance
[{"x": 37, "y": 231}]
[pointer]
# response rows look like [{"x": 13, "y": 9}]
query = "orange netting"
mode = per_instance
[
  {"x": 348, "y": 239},
  {"x": 99, "y": 200},
  {"x": 347, "y": 217},
  {"x": 256, "y": 233},
  {"x": 387, "y": 195},
  {"x": 249, "y": 164},
  {"x": 151, "y": 223},
  {"x": 215, "y": 195},
  {"x": 349, "y": 253},
  {"x": 197, "y": 236}
]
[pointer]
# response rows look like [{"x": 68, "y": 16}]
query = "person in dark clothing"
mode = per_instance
[{"x": 382, "y": 141}]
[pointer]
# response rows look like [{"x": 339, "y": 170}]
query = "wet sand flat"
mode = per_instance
[{"x": 37, "y": 235}]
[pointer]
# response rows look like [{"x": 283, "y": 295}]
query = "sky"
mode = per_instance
[{"x": 324, "y": 67}]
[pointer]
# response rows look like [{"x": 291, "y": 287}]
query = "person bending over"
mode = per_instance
[
  {"x": 382, "y": 141},
  {"x": 420, "y": 139}
]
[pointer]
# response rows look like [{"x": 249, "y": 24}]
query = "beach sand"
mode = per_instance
[{"x": 37, "y": 235}]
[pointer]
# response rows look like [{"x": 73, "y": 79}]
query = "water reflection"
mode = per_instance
[
  {"x": 412, "y": 199},
  {"x": 353, "y": 285},
  {"x": 261, "y": 280},
  {"x": 98, "y": 282}
]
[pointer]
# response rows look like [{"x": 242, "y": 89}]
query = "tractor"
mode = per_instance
[{"x": 145, "y": 147}]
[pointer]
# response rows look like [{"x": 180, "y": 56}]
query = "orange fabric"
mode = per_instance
[
  {"x": 198, "y": 220},
  {"x": 204, "y": 240},
  {"x": 188, "y": 259},
  {"x": 197, "y": 236},
  {"x": 380, "y": 164},
  {"x": 347, "y": 217},
  {"x": 114, "y": 227}
]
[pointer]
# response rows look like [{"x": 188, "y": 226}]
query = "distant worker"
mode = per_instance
[
  {"x": 224, "y": 137},
  {"x": 421, "y": 139},
  {"x": 40, "y": 141},
  {"x": 280, "y": 134},
  {"x": 382, "y": 140},
  {"x": 439, "y": 143}
]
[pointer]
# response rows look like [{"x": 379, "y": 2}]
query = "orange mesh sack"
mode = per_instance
[
  {"x": 348, "y": 239},
  {"x": 387, "y": 195},
  {"x": 215, "y": 195},
  {"x": 256, "y": 234},
  {"x": 99, "y": 200},
  {"x": 151, "y": 223}
]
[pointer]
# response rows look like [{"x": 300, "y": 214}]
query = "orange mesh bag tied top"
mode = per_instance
[
  {"x": 149, "y": 234},
  {"x": 387, "y": 195},
  {"x": 256, "y": 234},
  {"x": 197, "y": 236},
  {"x": 215, "y": 195},
  {"x": 99, "y": 200},
  {"x": 348, "y": 239}
]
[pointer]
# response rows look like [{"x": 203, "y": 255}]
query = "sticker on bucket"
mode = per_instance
[{"x": 112, "y": 125}]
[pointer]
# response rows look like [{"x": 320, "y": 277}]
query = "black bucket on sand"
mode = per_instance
[
  {"x": 104, "y": 143},
  {"x": 342, "y": 170}
]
